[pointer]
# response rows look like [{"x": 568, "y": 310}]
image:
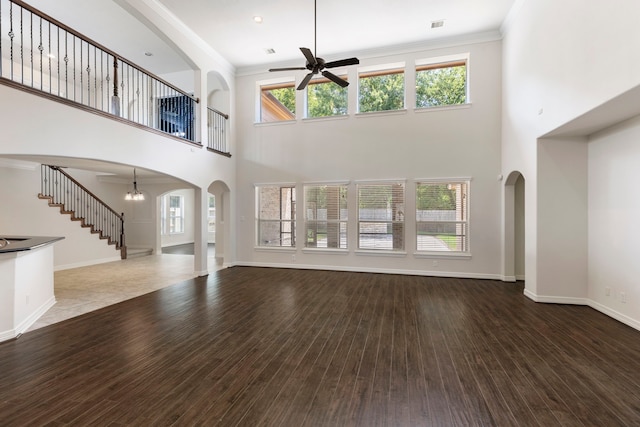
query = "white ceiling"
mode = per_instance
[
  {"x": 349, "y": 28},
  {"x": 342, "y": 26}
]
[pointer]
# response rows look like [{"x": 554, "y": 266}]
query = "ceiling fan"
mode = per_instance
[{"x": 317, "y": 65}]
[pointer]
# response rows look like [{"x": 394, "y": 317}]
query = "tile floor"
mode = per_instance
[{"x": 84, "y": 289}]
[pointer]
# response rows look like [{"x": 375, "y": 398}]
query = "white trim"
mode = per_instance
[
  {"x": 324, "y": 118},
  {"x": 616, "y": 315},
  {"x": 550, "y": 299},
  {"x": 436, "y": 60},
  {"x": 383, "y": 112},
  {"x": 276, "y": 184},
  {"x": 635, "y": 324},
  {"x": 34, "y": 316},
  {"x": 275, "y": 249},
  {"x": 278, "y": 123},
  {"x": 442, "y": 255},
  {"x": 520, "y": 277},
  {"x": 372, "y": 270},
  {"x": 85, "y": 263},
  {"x": 379, "y": 252},
  {"x": 325, "y": 251},
  {"x": 508, "y": 278},
  {"x": 391, "y": 66},
  {"x": 339, "y": 182},
  {"x": 459, "y": 179},
  {"x": 28, "y": 322},
  {"x": 381, "y": 181},
  {"x": 421, "y": 110}
]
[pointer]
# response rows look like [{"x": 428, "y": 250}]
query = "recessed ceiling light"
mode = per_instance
[
  {"x": 148, "y": 54},
  {"x": 270, "y": 51},
  {"x": 437, "y": 24},
  {"x": 257, "y": 19}
]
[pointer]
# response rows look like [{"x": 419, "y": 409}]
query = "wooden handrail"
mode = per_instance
[
  {"x": 98, "y": 45},
  {"x": 226, "y": 116},
  {"x": 59, "y": 169}
]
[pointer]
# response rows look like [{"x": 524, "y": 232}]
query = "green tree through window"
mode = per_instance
[
  {"x": 325, "y": 98},
  {"x": 441, "y": 84},
  {"x": 381, "y": 91}
]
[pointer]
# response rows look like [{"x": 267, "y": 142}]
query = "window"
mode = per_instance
[
  {"x": 441, "y": 84},
  {"x": 381, "y": 216},
  {"x": 211, "y": 214},
  {"x": 172, "y": 214},
  {"x": 325, "y": 216},
  {"x": 381, "y": 90},
  {"x": 276, "y": 216},
  {"x": 277, "y": 102},
  {"x": 325, "y": 98},
  {"x": 441, "y": 216}
]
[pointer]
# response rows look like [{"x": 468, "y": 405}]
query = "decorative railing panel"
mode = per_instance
[
  {"x": 43, "y": 54},
  {"x": 73, "y": 198},
  {"x": 217, "y": 128}
]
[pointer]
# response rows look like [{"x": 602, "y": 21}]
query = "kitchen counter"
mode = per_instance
[
  {"x": 24, "y": 243},
  {"x": 26, "y": 282}
]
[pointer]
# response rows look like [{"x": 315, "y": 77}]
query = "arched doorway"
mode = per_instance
[{"x": 514, "y": 228}]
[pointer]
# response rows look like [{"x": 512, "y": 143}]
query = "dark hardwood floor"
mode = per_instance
[{"x": 251, "y": 346}]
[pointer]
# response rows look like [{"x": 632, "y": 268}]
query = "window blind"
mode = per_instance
[
  {"x": 381, "y": 216},
  {"x": 441, "y": 216},
  {"x": 325, "y": 216}
]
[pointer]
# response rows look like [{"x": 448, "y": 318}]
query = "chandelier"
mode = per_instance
[{"x": 136, "y": 194}]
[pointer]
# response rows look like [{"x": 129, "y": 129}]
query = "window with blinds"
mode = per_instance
[
  {"x": 277, "y": 102},
  {"x": 325, "y": 215},
  {"x": 381, "y": 216},
  {"x": 276, "y": 215},
  {"x": 381, "y": 90},
  {"x": 442, "y": 216},
  {"x": 441, "y": 84},
  {"x": 325, "y": 98}
]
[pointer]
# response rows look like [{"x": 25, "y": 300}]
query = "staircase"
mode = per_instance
[{"x": 64, "y": 192}]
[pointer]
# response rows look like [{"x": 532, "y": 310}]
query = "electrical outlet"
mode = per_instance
[
  {"x": 293, "y": 258},
  {"x": 607, "y": 291},
  {"x": 623, "y": 297}
]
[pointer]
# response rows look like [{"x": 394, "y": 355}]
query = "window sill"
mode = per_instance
[
  {"x": 278, "y": 123},
  {"x": 382, "y": 113},
  {"x": 328, "y": 251},
  {"x": 274, "y": 249},
  {"x": 373, "y": 252},
  {"x": 324, "y": 118},
  {"x": 443, "y": 255},
  {"x": 442, "y": 108}
]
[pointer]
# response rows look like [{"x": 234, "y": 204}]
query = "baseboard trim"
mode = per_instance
[
  {"x": 373, "y": 270},
  {"x": 85, "y": 263},
  {"x": 635, "y": 324},
  {"x": 30, "y": 320},
  {"x": 508, "y": 278},
  {"x": 623, "y": 318}
]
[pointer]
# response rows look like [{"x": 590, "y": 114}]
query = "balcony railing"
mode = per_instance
[
  {"x": 44, "y": 55},
  {"x": 217, "y": 128}
]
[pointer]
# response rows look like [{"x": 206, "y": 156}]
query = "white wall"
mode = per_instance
[
  {"x": 561, "y": 61},
  {"x": 463, "y": 142},
  {"x": 24, "y": 214},
  {"x": 614, "y": 229}
]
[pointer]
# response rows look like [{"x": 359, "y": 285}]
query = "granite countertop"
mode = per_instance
[{"x": 25, "y": 243}]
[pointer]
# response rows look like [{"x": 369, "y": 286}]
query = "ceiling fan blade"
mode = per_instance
[
  {"x": 335, "y": 79},
  {"x": 342, "y": 62},
  {"x": 307, "y": 54},
  {"x": 287, "y": 69},
  {"x": 305, "y": 81}
]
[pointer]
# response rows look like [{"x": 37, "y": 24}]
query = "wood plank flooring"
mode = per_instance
[{"x": 276, "y": 347}]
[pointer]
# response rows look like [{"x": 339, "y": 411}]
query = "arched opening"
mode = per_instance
[
  {"x": 220, "y": 226},
  {"x": 514, "y": 228}
]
